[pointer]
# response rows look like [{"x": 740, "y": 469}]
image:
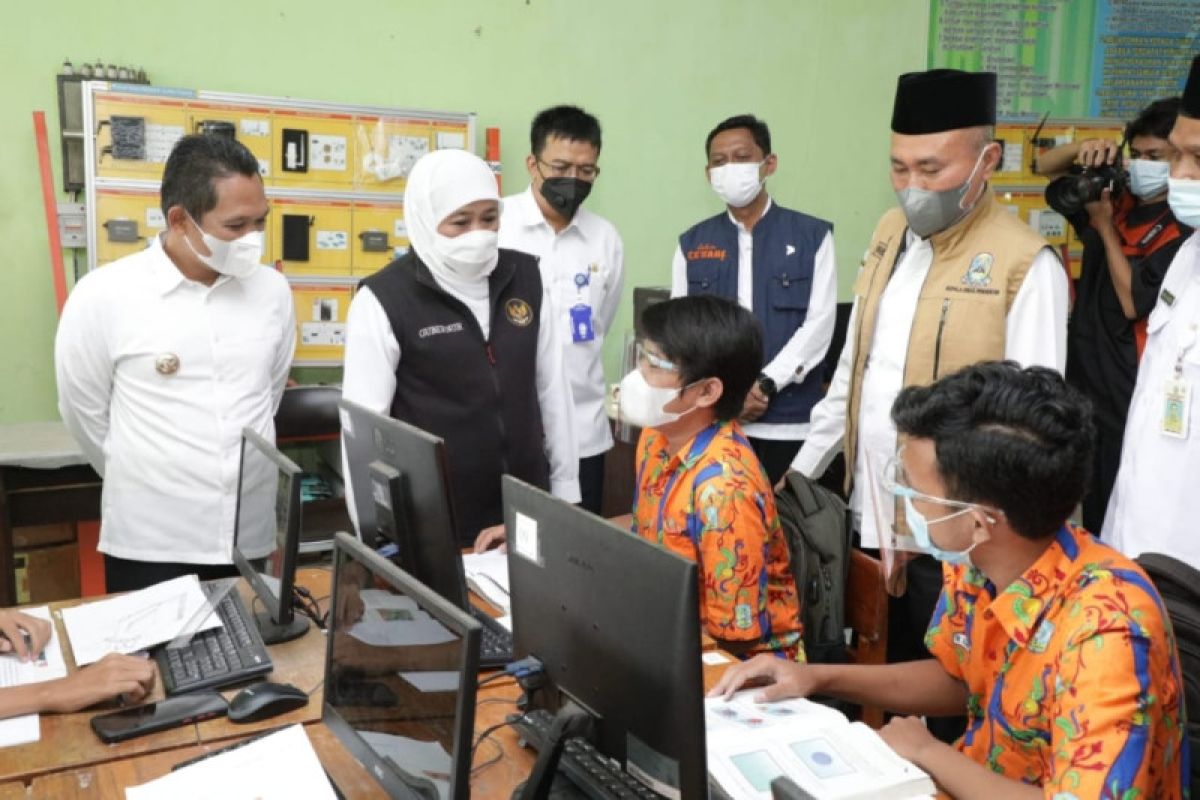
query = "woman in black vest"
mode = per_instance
[{"x": 455, "y": 338}]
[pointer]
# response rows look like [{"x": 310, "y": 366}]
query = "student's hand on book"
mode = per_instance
[
  {"x": 12, "y": 623},
  {"x": 909, "y": 737},
  {"x": 130, "y": 677},
  {"x": 783, "y": 679},
  {"x": 492, "y": 537}
]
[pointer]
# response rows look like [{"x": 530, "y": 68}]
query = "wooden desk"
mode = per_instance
[
  {"x": 67, "y": 740},
  {"x": 44, "y": 479},
  {"x": 109, "y": 780},
  {"x": 70, "y": 761}
]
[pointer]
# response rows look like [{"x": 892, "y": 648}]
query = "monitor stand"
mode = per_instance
[
  {"x": 273, "y": 633},
  {"x": 570, "y": 721}
]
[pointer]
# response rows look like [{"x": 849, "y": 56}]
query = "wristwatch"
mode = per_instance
[{"x": 767, "y": 386}]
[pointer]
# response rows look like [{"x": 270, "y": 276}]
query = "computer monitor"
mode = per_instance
[
  {"x": 615, "y": 622},
  {"x": 400, "y": 676},
  {"x": 266, "y": 535},
  {"x": 400, "y": 488}
]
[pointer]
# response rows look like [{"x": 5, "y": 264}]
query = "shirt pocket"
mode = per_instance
[
  {"x": 790, "y": 290},
  {"x": 247, "y": 357},
  {"x": 703, "y": 277}
]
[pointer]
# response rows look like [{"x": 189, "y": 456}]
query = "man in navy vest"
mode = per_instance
[{"x": 777, "y": 263}]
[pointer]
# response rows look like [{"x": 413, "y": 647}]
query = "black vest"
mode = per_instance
[{"x": 479, "y": 396}]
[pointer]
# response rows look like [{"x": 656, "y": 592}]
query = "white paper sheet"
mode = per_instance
[
  {"x": 14, "y": 672},
  {"x": 487, "y": 575},
  {"x": 281, "y": 766},
  {"x": 137, "y": 620},
  {"x": 20, "y": 730},
  {"x": 434, "y": 681},
  {"x": 421, "y": 760},
  {"x": 391, "y": 620}
]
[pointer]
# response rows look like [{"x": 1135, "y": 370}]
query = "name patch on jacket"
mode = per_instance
[
  {"x": 706, "y": 251},
  {"x": 437, "y": 330}
]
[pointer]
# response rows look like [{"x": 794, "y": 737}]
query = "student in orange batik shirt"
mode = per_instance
[
  {"x": 1055, "y": 646},
  {"x": 701, "y": 491}
]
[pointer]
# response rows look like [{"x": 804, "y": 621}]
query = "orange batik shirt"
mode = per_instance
[
  {"x": 1071, "y": 671},
  {"x": 711, "y": 502}
]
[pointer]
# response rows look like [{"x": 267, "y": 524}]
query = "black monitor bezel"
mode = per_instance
[
  {"x": 281, "y": 609},
  {"x": 427, "y": 541},
  {"x": 572, "y": 557},
  {"x": 346, "y": 546}
]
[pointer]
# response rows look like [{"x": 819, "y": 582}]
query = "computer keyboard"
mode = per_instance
[
  {"x": 594, "y": 774},
  {"x": 217, "y": 657},
  {"x": 496, "y": 643}
]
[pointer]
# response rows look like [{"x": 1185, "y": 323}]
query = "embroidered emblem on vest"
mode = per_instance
[
  {"x": 518, "y": 312},
  {"x": 980, "y": 271},
  {"x": 705, "y": 251}
]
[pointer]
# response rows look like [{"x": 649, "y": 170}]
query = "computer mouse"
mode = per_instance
[{"x": 264, "y": 700}]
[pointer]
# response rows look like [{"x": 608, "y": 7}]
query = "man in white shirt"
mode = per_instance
[
  {"x": 581, "y": 260},
  {"x": 777, "y": 263},
  {"x": 949, "y": 279},
  {"x": 164, "y": 356},
  {"x": 1154, "y": 505}
]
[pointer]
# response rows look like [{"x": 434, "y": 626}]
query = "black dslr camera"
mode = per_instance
[{"x": 1069, "y": 193}]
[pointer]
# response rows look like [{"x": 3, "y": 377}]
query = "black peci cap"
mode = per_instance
[
  {"x": 944, "y": 100},
  {"x": 1191, "y": 92}
]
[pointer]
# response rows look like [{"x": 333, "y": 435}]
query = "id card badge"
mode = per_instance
[
  {"x": 1177, "y": 402},
  {"x": 581, "y": 324}
]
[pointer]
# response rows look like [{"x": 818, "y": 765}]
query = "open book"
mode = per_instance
[{"x": 828, "y": 757}]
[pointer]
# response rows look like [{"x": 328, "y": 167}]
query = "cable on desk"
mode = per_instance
[
  {"x": 487, "y": 734},
  {"x": 496, "y": 677}
]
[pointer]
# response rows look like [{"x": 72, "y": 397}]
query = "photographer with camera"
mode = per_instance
[{"x": 1129, "y": 236}]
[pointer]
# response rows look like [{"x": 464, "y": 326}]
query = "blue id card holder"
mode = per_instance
[{"x": 581, "y": 324}]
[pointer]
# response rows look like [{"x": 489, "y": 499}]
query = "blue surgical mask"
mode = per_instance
[
  {"x": 1148, "y": 178},
  {"x": 919, "y": 527},
  {"x": 1184, "y": 196}
]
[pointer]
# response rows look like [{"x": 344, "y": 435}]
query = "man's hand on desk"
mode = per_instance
[
  {"x": 130, "y": 677},
  {"x": 24, "y": 635},
  {"x": 491, "y": 537},
  {"x": 784, "y": 679}
]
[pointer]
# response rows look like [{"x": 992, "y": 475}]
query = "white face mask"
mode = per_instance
[
  {"x": 1184, "y": 196},
  {"x": 237, "y": 258},
  {"x": 737, "y": 184},
  {"x": 1148, "y": 178},
  {"x": 470, "y": 255},
  {"x": 641, "y": 404}
]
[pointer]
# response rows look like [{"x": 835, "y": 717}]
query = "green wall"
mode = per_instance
[{"x": 658, "y": 74}]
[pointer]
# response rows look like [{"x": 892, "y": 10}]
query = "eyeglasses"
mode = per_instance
[
  {"x": 654, "y": 360},
  {"x": 563, "y": 169},
  {"x": 895, "y": 481}
]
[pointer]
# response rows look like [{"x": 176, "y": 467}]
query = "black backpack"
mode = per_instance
[
  {"x": 816, "y": 524},
  {"x": 1179, "y": 586}
]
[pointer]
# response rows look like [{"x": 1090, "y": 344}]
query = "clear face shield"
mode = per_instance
[{"x": 906, "y": 534}]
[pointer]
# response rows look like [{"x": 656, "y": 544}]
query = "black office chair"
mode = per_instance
[
  {"x": 308, "y": 428},
  {"x": 308, "y": 414}
]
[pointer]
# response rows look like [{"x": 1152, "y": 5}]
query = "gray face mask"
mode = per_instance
[{"x": 930, "y": 211}]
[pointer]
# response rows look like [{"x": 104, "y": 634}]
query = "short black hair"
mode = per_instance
[
  {"x": 757, "y": 127},
  {"x": 565, "y": 122},
  {"x": 195, "y": 163},
  {"x": 709, "y": 337},
  {"x": 1019, "y": 440},
  {"x": 1155, "y": 120}
]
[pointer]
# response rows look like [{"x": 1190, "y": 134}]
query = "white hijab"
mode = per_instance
[{"x": 439, "y": 184}]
